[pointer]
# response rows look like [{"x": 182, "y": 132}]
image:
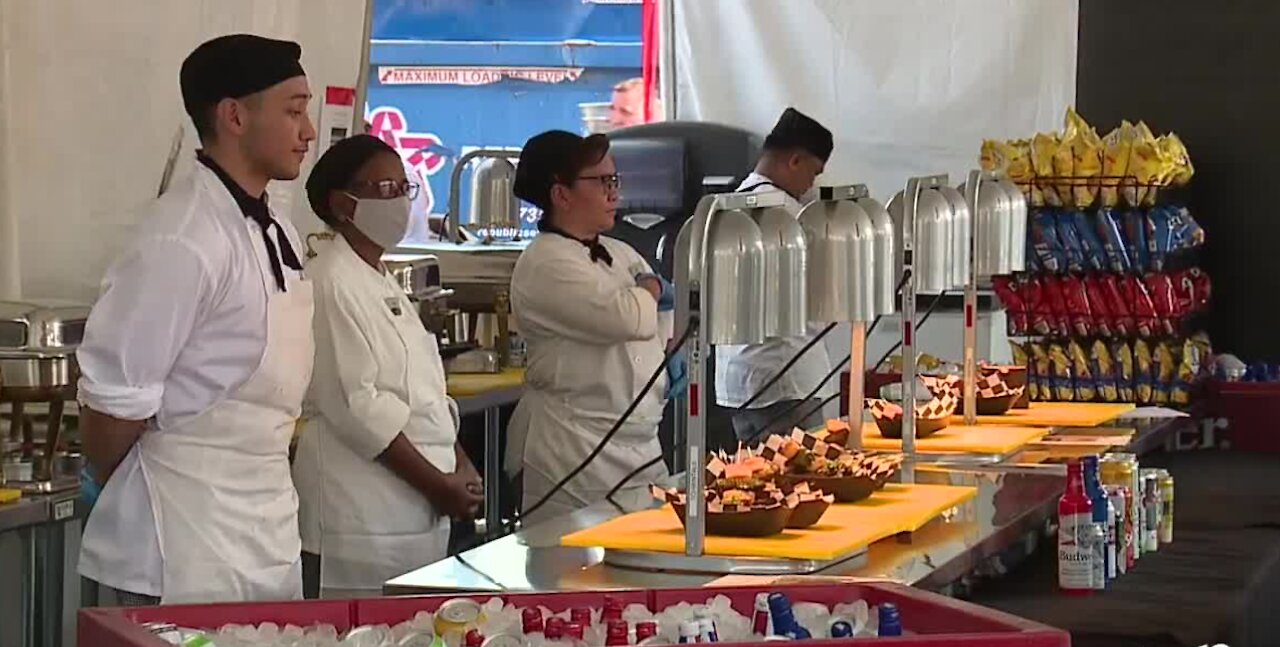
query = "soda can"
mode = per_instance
[
  {"x": 841, "y": 628},
  {"x": 1096, "y": 541},
  {"x": 456, "y": 616},
  {"x": 689, "y": 632},
  {"x": 1151, "y": 508},
  {"x": 1166, "y": 506},
  {"x": 1125, "y": 556}
]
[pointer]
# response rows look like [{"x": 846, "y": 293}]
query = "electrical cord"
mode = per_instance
[
  {"x": 786, "y": 367},
  {"x": 689, "y": 330},
  {"x": 609, "y": 497},
  {"x": 896, "y": 346}
]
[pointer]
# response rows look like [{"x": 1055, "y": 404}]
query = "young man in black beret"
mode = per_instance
[
  {"x": 795, "y": 154},
  {"x": 198, "y": 353}
]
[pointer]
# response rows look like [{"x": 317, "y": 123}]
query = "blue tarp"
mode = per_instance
[{"x": 454, "y": 76}]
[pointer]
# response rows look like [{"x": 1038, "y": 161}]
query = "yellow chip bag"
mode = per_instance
[
  {"x": 1175, "y": 154},
  {"x": 1145, "y": 166},
  {"x": 1082, "y": 373},
  {"x": 1041, "y": 373},
  {"x": 1060, "y": 363},
  {"x": 1073, "y": 123},
  {"x": 1142, "y": 372},
  {"x": 1188, "y": 367},
  {"x": 1124, "y": 371},
  {"x": 1086, "y": 153},
  {"x": 1163, "y": 371},
  {"x": 992, "y": 158},
  {"x": 1115, "y": 163},
  {"x": 1104, "y": 371},
  {"x": 1043, "y": 148}
]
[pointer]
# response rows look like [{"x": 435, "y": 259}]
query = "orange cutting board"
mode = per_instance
[
  {"x": 844, "y": 529},
  {"x": 1056, "y": 414},
  {"x": 980, "y": 439}
]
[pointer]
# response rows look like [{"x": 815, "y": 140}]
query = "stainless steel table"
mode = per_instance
[
  {"x": 1011, "y": 512},
  {"x": 40, "y": 543}
]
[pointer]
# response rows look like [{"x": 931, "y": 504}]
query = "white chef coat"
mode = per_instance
[
  {"x": 742, "y": 370},
  {"x": 182, "y": 317},
  {"x": 180, "y": 326},
  {"x": 593, "y": 340},
  {"x": 378, "y": 373}
]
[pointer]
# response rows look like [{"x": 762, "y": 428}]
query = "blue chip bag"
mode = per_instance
[
  {"x": 1095, "y": 256},
  {"x": 1070, "y": 239},
  {"x": 1159, "y": 237},
  {"x": 1135, "y": 233},
  {"x": 1048, "y": 248},
  {"x": 1111, "y": 233},
  {"x": 1185, "y": 232},
  {"x": 1032, "y": 260}
]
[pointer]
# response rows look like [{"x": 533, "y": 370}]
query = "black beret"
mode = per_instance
[
  {"x": 338, "y": 166},
  {"x": 556, "y": 156},
  {"x": 235, "y": 66},
  {"x": 798, "y": 130}
]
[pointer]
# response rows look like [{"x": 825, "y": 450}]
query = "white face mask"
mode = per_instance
[{"x": 384, "y": 221}]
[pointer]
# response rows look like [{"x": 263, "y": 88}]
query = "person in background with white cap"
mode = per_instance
[
  {"x": 197, "y": 355},
  {"x": 379, "y": 470},
  {"x": 795, "y": 154},
  {"x": 589, "y": 308}
]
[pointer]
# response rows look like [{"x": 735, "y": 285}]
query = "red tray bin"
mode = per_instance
[
  {"x": 935, "y": 620},
  {"x": 1250, "y": 409}
]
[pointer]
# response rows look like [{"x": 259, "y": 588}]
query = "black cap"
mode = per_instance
[
  {"x": 335, "y": 169},
  {"x": 798, "y": 130},
  {"x": 235, "y": 66},
  {"x": 556, "y": 156}
]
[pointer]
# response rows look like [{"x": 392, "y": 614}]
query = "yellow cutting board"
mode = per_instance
[
  {"x": 465, "y": 384},
  {"x": 845, "y": 528},
  {"x": 1056, "y": 414},
  {"x": 979, "y": 439}
]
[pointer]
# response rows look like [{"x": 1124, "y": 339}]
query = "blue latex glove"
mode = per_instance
[
  {"x": 89, "y": 489},
  {"x": 667, "y": 299},
  {"x": 677, "y": 377}
]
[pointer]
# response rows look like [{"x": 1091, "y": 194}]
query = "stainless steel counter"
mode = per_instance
[
  {"x": 1013, "y": 505},
  {"x": 39, "y": 546}
]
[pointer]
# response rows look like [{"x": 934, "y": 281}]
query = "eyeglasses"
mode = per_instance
[
  {"x": 393, "y": 189},
  {"x": 610, "y": 182}
]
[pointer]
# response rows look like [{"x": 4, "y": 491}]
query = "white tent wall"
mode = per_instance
[
  {"x": 89, "y": 104},
  {"x": 909, "y": 87}
]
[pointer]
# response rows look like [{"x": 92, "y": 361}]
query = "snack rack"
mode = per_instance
[{"x": 931, "y": 620}]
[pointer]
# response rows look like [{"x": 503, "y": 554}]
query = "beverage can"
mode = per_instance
[
  {"x": 1112, "y": 539},
  {"x": 455, "y": 616},
  {"x": 688, "y": 632},
  {"x": 1151, "y": 508},
  {"x": 1097, "y": 545},
  {"x": 1124, "y": 528},
  {"x": 1166, "y": 506}
]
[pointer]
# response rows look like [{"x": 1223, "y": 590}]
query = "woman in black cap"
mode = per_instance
[
  {"x": 379, "y": 470},
  {"x": 589, "y": 308},
  {"x": 795, "y": 153},
  {"x": 197, "y": 355}
]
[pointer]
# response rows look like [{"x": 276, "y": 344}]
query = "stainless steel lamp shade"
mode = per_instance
[
  {"x": 961, "y": 229},
  {"x": 733, "y": 299},
  {"x": 1017, "y": 239},
  {"x": 884, "y": 264},
  {"x": 785, "y": 269},
  {"x": 934, "y": 247},
  {"x": 840, "y": 237},
  {"x": 493, "y": 204},
  {"x": 1000, "y": 228}
]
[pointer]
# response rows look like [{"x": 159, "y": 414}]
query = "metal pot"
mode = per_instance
[
  {"x": 38, "y": 343},
  {"x": 884, "y": 264},
  {"x": 785, "y": 264}
]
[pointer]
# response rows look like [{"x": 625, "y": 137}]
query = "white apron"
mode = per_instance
[{"x": 222, "y": 502}]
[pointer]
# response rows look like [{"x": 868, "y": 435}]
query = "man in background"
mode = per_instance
[{"x": 627, "y": 106}]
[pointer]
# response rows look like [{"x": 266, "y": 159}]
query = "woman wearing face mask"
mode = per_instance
[{"x": 379, "y": 471}]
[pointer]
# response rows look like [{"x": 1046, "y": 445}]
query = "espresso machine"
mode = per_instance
[{"x": 38, "y": 375}]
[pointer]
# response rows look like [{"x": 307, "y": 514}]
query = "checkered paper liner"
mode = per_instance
[
  {"x": 715, "y": 502},
  {"x": 941, "y": 406},
  {"x": 786, "y": 448},
  {"x": 804, "y": 494},
  {"x": 943, "y": 385}
]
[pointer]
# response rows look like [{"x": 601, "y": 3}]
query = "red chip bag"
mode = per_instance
[
  {"x": 1145, "y": 319},
  {"x": 1121, "y": 314},
  {"x": 1057, "y": 303},
  {"x": 1078, "y": 312},
  {"x": 1204, "y": 288},
  {"x": 1038, "y": 306},
  {"x": 1184, "y": 293},
  {"x": 1013, "y": 302},
  {"x": 1103, "y": 318},
  {"x": 1160, "y": 287}
]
